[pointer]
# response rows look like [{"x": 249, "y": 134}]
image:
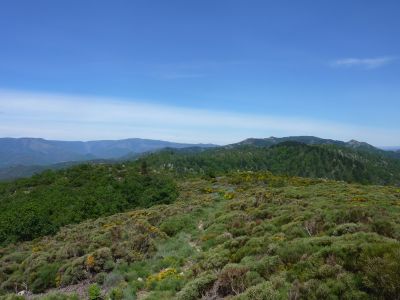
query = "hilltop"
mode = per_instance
[
  {"x": 241, "y": 236},
  {"x": 312, "y": 140},
  {"x": 290, "y": 158}
]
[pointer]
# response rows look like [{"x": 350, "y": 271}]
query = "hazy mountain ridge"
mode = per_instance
[{"x": 37, "y": 151}]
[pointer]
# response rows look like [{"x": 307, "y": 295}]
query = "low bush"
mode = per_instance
[
  {"x": 94, "y": 292},
  {"x": 197, "y": 287}
]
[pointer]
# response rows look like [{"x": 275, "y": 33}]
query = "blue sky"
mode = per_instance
[{"x": 200, "y": 71}]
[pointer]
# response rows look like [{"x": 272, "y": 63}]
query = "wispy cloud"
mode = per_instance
[
  {"x": 365, "y": 63},
  {"x": 69, "y": 117}
]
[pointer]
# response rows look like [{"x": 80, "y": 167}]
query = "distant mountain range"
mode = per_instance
[
  {"x": 391, "y": 148},
  {"x": 36, "y": 151}
]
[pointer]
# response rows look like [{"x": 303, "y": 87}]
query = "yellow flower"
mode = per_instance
[{"x": 90, "y": 261}]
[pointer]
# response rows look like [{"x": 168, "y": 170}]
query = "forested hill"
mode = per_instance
[
  {"x": 312, "y": 140},
  {"x": 40, "y": 205},
  {"x": 289, "y": 158}
]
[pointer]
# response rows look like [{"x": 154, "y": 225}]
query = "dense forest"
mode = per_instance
[
  {"x": 40, "y": 205},
  {"x": 289, "y": 158}
]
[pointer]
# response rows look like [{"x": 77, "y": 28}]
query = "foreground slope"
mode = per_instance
[{"x": 241, "y": 236}]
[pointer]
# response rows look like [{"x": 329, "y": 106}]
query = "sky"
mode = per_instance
[{"x": 200, "y": 71}]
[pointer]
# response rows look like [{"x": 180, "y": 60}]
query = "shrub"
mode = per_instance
[
  {"x": 168, "y": 276},
  {"x": 94, "y": 292},
  {"x": 346, "y": 228},
  {"x": 58, "y": 296},
  {"x": 197, "y": 287},
  {"x": 100, "y": 278},
  {"x": 262, "y": 291},
  {"x": 112, "y": 279},
  {"x": 73, "y": 272},
  {"x": 176, "y": 224},
  {"x": 383, "y": 227},
  {"x": 382, "y": 274},
  {"x": 253, "y": 278},
  {"x": 231, "y": 280},
  {"x": 44, "y": 277},
  {"x": 215, "y": 259},
  {"x": 116, "y": 294}
]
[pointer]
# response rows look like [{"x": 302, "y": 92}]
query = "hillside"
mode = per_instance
[
  {"x": 242, "y": 236},
  {"x": 20, "y": 171},
  {"x": 38, "y": 206},
  {"x": 312, "y": 140},
  {"x": 290, "y": 158},
  {"x": 36, "y": 151}
]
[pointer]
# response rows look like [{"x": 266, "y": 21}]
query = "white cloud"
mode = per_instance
[
  {"x": 366, "y": 63},
  {"x": 68, "y": 117}
]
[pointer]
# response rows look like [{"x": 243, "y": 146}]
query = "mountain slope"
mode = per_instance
[
  {"x": 289, "y": 158},
  {"x": 312, "y": 140},
  {"x": 35, "y": 151},
  {"x": 309, "y": 140},
  {"x": 244, "y": 236},
  {"x": 34, "y": 207}
]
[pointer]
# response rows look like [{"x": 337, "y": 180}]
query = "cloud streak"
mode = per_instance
[
  {"x": 69, "y": 117},
  {"x": 365, "y": 63}
]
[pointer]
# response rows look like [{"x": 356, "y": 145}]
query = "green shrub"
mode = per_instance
[
  {"x": 116, "y": 294},
  {"x": 58, "y": 296},
  {"x": 173, "y": 225},
  {"x": 44, "y": 277},
  {"x": 94, "y": 292},
  {"x": 346, "y": 228},
  {"x": 262, "y": 291},
  {"x": 195, "y": 288},
  {"x": 12, "y": 297},
  {"x": 267, "y": 265},
  {"x": 384, "y": 228},
  {"x": 381, "y": 274}
]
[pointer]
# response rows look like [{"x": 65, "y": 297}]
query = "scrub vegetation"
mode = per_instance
[{"x": 244, "y": 235}]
